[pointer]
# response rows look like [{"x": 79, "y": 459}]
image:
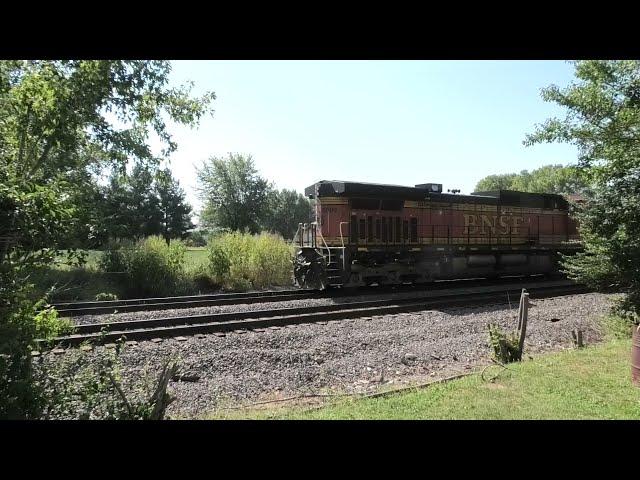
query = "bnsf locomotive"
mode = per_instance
[{"x": 366, "y": 234}]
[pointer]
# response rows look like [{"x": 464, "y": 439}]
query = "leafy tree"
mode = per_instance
[
  {"x": 547, "y": 179},
  {"x": 234, "y": 195},
  {"x": 287, "y": 208},
  {"x": 57, "y": 125},
  {"x": 496, "y": 182},
  {"x": 603, "y": 121},
  {"x": 145, "y": 216},
  {"x": 116, "y": 212},
  {"x": 176, "y": 212}
]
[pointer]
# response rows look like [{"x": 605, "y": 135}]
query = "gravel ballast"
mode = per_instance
[{"x": 350, "y": 356}]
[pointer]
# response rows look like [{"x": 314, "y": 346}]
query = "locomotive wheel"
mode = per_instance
[{"x": 310, "y": 270}]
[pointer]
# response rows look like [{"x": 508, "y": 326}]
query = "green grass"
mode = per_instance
[
  {"x": 86, "y": 282},
  {"x": 194, "y": 258},
  {"x": 590, "y": 383}
]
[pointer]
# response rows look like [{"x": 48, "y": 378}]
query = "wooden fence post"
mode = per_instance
[{"x": 523, "y": 315}]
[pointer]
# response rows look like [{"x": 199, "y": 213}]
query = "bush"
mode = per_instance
[
  {"x": 151, "y": 267},
  {"x": 91, "y": 386},
  {"x": 49, "y": 325},
  {"x": 101, "y": 297},
  {"x": 112, "y": 260},
  {"x": 197, "y": 238},
  {"x": 239, "y": 261},
  {"x": 505, "y": 346}
]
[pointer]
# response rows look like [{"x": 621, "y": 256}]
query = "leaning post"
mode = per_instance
[{"x": 524, "y": 314}]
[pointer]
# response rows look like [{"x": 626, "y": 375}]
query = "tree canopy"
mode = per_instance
[
  {"x": 547, "y": 179},
  {"x": 61, "y": 121},
  {"x": 233, "y": 193},
  {"x": 602, "y": 119},
  {"x": 237, "y": 198}
]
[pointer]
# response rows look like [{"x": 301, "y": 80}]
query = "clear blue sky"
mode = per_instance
[{"x": 400, "y": 122}]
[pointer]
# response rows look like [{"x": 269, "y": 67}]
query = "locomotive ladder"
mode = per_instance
[{"x": 332, "y": 256}]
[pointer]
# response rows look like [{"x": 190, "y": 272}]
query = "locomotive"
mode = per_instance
[{"x": 366, "y": 233}]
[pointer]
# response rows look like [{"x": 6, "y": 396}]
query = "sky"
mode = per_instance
[{"x": 397, "y": 122}]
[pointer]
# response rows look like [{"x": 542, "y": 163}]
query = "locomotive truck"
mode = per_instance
[{"x": 365, "y": 234}]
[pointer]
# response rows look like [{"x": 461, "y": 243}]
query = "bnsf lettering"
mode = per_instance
[{"x": 503, "y": 225}]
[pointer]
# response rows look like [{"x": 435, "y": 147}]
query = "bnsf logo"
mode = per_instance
[{"x": 497, "y": 225}]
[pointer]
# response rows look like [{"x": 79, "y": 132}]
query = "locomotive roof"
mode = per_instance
[{"x": 339, "y": 188}]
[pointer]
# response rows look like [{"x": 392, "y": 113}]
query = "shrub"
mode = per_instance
[
  {"x": 197, "y": 238},
  {"x": 91, "y": 386},
  {"x": 153, "y": 267},
  {"x": 112, "y": 260},
  {"x": 49, "y": 325},
  {"x": 505, "y": 346},
  {"x": 239, "y": 261},
  {"x": 150, "y": 267},
  {"x": 101, "y": 297}
]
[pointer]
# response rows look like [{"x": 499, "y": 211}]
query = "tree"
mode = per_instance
[
  {"x": 603, "y": 121},
  {"x": 57, "y": 125},
  {"x": 496, "y": 182},
  {"x": 176, "y": 212},
  {"x": 234, "y": 195},
  {"x": 145, "y": 215},
  {"x": 548, "y": 179},
  {"x": 287, "y": 208}
]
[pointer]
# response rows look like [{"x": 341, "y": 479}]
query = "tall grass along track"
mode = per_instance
[{"x": 146, "y": 329}]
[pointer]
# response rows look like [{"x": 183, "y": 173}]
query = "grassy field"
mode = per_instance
[
  {"x": 195, "y": 257},
  {"x": 86, "y": 282},
  {"x": 591, "y": 383}
]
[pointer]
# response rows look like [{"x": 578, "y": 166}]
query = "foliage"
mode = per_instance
[
  {"x": 505, "y": 347},
  {"x": 548, "y": 179},
  {"x": 176, "y": 212},
  {"x": 20, "y": 324},
  {"x": 151, "y": 267},
  {"x": 241, "y": 261},
  {"x": 104, "y": 296},
  {"x": 146, "y": 202},
  {"x": 48, "y": 323},
  {"x": 618, "y": 326},
  {"x": 602, "y": 121},
  {"x": 197, "y": 238},
  {"x": 233, "y": 194},
  {"x": 91, "y": 386},
  {"x": 112, "y": 260},
  {"x": 286, "y": 209},
  {"x": 58, "y": 129}
]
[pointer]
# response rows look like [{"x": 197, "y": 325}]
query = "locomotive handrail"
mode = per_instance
[
  {"x": 323, "y": 241},
  {"x": 341, "y": 235}
]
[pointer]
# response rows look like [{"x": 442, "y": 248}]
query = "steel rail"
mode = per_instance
[
  {"x": 146, "y": 329},
  {"x": 74, "y": 309}
]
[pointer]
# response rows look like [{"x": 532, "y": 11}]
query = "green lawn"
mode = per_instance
[{"x": 591, "y": 383}]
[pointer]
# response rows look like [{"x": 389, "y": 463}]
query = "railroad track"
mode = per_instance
[
  {"x": 74, "y": 309},
  {"x": 147, "y": 329}
]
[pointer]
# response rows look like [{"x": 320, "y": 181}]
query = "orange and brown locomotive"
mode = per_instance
[{"x": 366, "y": 233}]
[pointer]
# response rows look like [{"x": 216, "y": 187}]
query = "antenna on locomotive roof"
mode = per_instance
[{"x": 454, "y": 191}]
